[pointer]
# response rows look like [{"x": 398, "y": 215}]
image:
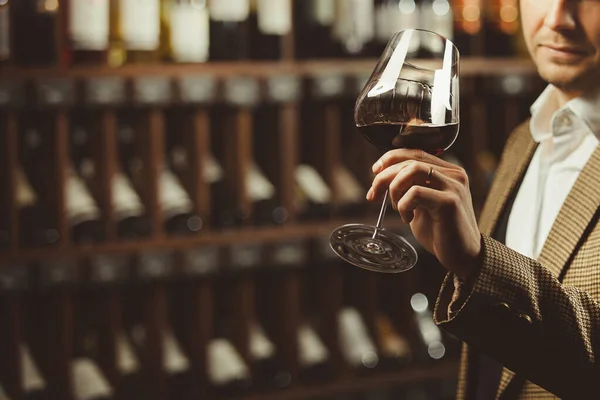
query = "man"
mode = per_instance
[{"x": 528, "y": 310}]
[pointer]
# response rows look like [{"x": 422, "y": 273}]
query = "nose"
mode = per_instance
[{"x": 560, "y": 15}]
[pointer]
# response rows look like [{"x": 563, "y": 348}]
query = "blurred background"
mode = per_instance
[{"x": 170, "y": 172}]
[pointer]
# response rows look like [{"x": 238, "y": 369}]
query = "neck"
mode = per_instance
[{"x": 565, "y": 96}]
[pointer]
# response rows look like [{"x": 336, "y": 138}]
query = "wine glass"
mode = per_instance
[{"x": 410, "y": 101}]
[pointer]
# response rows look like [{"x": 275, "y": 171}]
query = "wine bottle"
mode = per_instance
[
  {"x": 33, "y": 383},
  {"x": 88, "y": 381},
  {"x": 26, "y": 199},
  {"x": 313, "y": 195},
  {"x": 35, "y": 30},
  {"x": 227, "y": 212},
  {"x": 128, "y": 367},
  {"x": 428, "y": 331},
  {"x": 176, "y": 364},
  {"x": 5, "y": 32},
  {"x": 354, "y": 28},
  {"x": 395, "y": 349},
  {"x": 35, "y": 227},
  {"x": 313, "y": 355},
  {"x": 136, "y": 32},
  {"x": 82, "y": 211},
  {"x": 88, "y": 31},
  {"x": 132, "y": 220},
  {"x": 501, "y": 25},
  {"x": 188, "y": 30},
  {"x": 313, "y": 24},
  {"x": 38, "y": 221},
  {"x": 271, "y": 21},
  {"x": 212, "y": 171},
  {"x": 227, "y": 371},
  {"x": 229, "y": 29},
  {"x": 178, "y": 209},
  {"x": 179, "y": 216},
  {"x": 131, "y": 216},
  {"x": 269, "y": 370},
  {"x": 262, "y": 194},
  {"x": 356, "y": 345},
  {"x": 468, "y": 26},
  {"x": 350, "y": 192}
]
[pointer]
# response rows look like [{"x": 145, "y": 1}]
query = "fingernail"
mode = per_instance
[{"x": 377, "y": 166}]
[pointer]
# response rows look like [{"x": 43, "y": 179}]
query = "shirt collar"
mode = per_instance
[{"x": 548, "y": 119}]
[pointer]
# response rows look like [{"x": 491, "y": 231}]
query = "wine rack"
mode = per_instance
[
  {"x": 191, "y": 288},
  {"x": 164, "y": 224},
  {"x": 153, "y": 92}
]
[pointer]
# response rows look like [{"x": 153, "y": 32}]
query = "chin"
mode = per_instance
[{"x": 569, "y": 78}]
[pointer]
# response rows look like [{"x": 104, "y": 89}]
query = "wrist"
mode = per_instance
[{"x": 470, "y": 268}]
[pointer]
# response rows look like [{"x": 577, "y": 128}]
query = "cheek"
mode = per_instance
[
  {"x": 531, "y": 20},
  {"x": 590, "y": 23}
]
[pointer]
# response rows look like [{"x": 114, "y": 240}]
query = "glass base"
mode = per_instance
[{"x": 388, "y": 252}]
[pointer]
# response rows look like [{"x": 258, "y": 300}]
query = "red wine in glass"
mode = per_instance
[{"x": 434, "y": 139}]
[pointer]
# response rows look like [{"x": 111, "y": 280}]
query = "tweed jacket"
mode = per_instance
[{"x": 539, "y": 318}]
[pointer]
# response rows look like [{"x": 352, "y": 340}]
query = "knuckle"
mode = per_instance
[
  {"x": 462, "y": 177},
  {"x": 451, "y": 202},
  {"x": 412, "y": 166},
  {"x": 420, "y": 155},
  {"x": 416, "y": 191}
]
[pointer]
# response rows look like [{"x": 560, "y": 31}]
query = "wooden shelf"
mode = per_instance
[
  {"x": 469, "y": 67},
  {"x": 262, "y": 235},
  {"x": 443, "y": 370}
]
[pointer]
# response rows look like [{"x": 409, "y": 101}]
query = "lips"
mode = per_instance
[
  {"x": 566, "y": 49},
  {"x": 564, "y": 52}
]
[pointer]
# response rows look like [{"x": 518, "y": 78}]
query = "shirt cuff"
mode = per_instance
[{"x": 462, "y": 290}]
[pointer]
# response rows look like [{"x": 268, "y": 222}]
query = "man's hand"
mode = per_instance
[{"x": 440, "y": 213}]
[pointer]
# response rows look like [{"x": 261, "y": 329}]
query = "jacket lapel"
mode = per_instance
[
  {"x": 505, "y": 379},
  {"x": 574, "y": 217},
  {"x": 519, "y": 151},
  {"x": 518, "y": 154}
]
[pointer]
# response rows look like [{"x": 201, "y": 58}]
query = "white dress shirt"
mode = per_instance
[{"x": 567, "y": 137}]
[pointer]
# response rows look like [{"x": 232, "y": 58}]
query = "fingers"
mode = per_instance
[
  {"x": 382, "y": 181},
  {"x": 417, "y": 174},
  {"x": 400, "y": 155},
  {"x": 434, "y": 201},
  {"x": 398, "y": 178},
  {"x": 413, "y": 184}
]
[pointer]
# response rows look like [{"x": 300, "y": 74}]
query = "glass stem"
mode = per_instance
[{"x": 381, "y": 214}]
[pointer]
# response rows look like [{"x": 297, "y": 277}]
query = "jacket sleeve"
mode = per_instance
[{"x": 517, "y": 312}]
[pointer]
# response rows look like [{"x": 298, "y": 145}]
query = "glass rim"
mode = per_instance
[{"x": 456, "y": 51}]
